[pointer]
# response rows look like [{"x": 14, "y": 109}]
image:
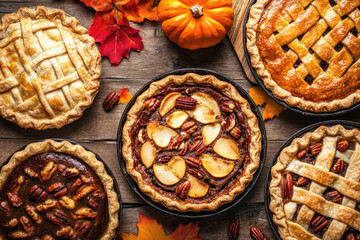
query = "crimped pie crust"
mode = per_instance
[
  {"x": 280, "y": 93},
  {"x": 287, "y": 229},
  {"x": 82, "y": 53},
  {"x": 80, "y": 153},
  {"x": 254, "y": 145}
]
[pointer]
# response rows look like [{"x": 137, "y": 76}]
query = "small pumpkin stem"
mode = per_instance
[{"x": 197, "y": 11}]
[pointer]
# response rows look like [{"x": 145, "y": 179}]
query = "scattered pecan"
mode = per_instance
[
  {"x": 19, "y": 235},
  {"x": 235, "y": 132},
  {"x": 5, "y": 208},
  {"x": 287, "y": 186},
  {"x": 193, "y": 162},
  {"x": 187, "y": 103},
  {"x": 46, "y": 206},
  {"x": 191, "y": 130},
  {"x": 61, "y": 168},
  {"x": 229, "y": 122},
  {"x": 152, "y": 104},
  {"x": 185, "y": 148},
  {"x": 188, "y": 125},
  {"x": 302, "y": 181},
  {"x": 75, "y": 185},
  {"x": 334, "y": 196},
  {"x": 65, "y": 233},
  {"x": 83, "y": 191},
  {"x": 315, "y": 148},
  {"x": 58, "y": 189},
  {"x": 301, "y": 154},
  {"x": 111, "y": 101},
  {"x": 37, "y": 194},
  {"x": 85, "y": 179},
  {"x": 67, "y": 202},
  {"x": 58, "y": 218},
  {"x": 84, "y": 213},
  {"x": 257, "y": 234},
  {"x": 184, "y": 135},
  {"x": 82, "y": 227},
  {"x": 342, "y": 145},
  {"x": 31, "y": 172},
  {"x": 165, "y": 157},
  {"x": 175, "y": 142},
  {"x": 48, "y": 171},
  {"x": 199, "y": 147},
  {"x": 319, "y": 223},
  {"x": 16, "y": 183},
  {"x": 233, "y": 228},
  {"x": 182, "y": 189},
  {"x": 339, "y": 166},
  {"x": 14, "y": 199},
  {"x": 71, "y": 173},
  {"x": 196, "y": 173},
  {"x": 26, "y": 224},
  {"x": 12, "y": 223},
  {"x": 227, "y": 106},
  {"x": 30, "y": 210},
  {"x": 91, "y": 202}
]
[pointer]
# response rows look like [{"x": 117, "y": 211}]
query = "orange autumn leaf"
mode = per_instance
[
  {"x": 149, "y": 229},
  {"x": 138, "y": 10},
  {"x": 272, "y": 108},
  {"x": 125, "y": 96}
]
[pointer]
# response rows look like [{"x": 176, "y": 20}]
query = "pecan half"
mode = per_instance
[
  {"x": 257, "y": 234},
  {"x": 71, "y": 173},
  {"x": 46, "y": 206},
  {"x": 342, "y": 145},
  {"x": 65, "y": 233},
  {"x": 111, "y": 101},
  {"x": 37, "y": 194},
  {"x": 182, "y": 189},
  {"x": 315, "y": 148},
  {"x": 165, "y": 157},
  {"x": 185, "y": 148},
  {"x": 67, "y": 202},
  {"x": 175, "y": 142},
  {"x": 334, "y": 196},
  {"x": 83, "y": 191},
  {"x": 91, "y": 202},
  {"x": 193, "y": 162},
  {"x": 58, "y": 218},
  {"x": 196, "y": 173},
  {"x": 58, "y": 189},
  {"x": 235, "y": 132},
  {"x": 228, "y": 123},
  {"x": 26, "y": 224},
  {"x": 61, "y": 168},
  {"x": 5, "y": 208},
  {"x": 287, "y": 186},
  {"x": 30, "y": 210},
  {"x": 184, "y": 102},
  {"x": 302, "y": 181},
  {"x": 84, "y": 213},
  {"x": 319, "y": 223},
  {"x": 301, "y": 154},
  {"x": 14, "y": 199},
  {"x": 75, "y": 185},
  {"x": 31, "y": 172},
  {"x": 16, "y": 183},
  {"x": 12, "y": 223},
  {"x": 227, "y": 106},
  {"x": 184, "y": 135},
  {"x": 152, "y": 104},
  {"x": 339, "y": 166},
  {"x": 19, "y": 235},
  {"x": 199, "y": 147},
  {"x": 188, "y": 125},
  {"x": 82, "y": 227},
  {"x": 48, "y": 171},
  {"x": 233, "y": 228}
]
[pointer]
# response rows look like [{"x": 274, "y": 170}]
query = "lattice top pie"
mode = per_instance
[
  {"x": 315, "y": 186},
  {"x": 191, "y": 142},
  {"x": 49, "y": 68},
  {"x": 307, "y": 51}
]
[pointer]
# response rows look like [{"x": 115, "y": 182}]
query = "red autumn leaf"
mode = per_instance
[
  {"x": 104, "y": 5},
  {"x": 125, "y": 96},
  {"x": 116, "y": 38},
  {"x": 138, "y": 10},
  {"x": 149, "y": 229}
]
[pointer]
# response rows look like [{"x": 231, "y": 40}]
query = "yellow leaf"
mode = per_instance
[{"x": 125, "y": 96}]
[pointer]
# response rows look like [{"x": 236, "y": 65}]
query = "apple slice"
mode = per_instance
[
  {"x": 206, "y": 110},
  {"x": 150, "y": 128},
  {"x": 172, "y": 172},
  {"x": 217, "y": 167},
  {"x": 147, "y": 154},
  {"x": 162, "y": 135},
  {"x": 210, "y": 133},
  {"x": 168, "y": 103},
  {"x": 177, "y": 119},
  {"x": 198, "y": 188},
  {"x": 227, "y": 148}
]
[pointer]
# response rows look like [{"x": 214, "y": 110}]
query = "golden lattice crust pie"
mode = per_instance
[
  {"x": 191, "y": 142},
  {"x": 57, "y": 190},
  {"x": 49, "y": 68},
  {"x": 307, "y": 51},
  {"x": 315, "y": 187}
]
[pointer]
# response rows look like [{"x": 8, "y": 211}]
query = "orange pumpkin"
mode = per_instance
[{"x": 194, "y": 24}]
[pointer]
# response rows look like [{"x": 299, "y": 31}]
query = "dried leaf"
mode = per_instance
[
  {"x": 104, "y": 5},
  {"x": 272, "y": 108},
  {"x": 125, "y": 96},
  {"x": 138, "y": 10},
  {"x": 149, "y": 229},
  {"x": 116, "y": 38}
]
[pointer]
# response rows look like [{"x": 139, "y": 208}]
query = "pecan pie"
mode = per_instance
[
  {"x": 49, "y": 68},
  {"x": 315, "y": 187},
  {"x": 191, "y": 142},
  {"x": 56, "y": 190},
  {"x": 307, "y": 51}
]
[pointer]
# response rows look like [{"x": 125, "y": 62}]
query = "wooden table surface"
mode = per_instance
[{"x": 97, "y": 129}]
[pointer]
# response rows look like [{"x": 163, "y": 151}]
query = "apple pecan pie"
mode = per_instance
[
  {"x": 307, "y": 51},
  {"x": 191, "y": 142},
  {"x": 315, "y": 186},
  {"x": 56, "y": 190}
]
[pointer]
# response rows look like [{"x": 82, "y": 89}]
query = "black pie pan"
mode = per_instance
[
  {"x": 108, "y": 170},
  {"x": 298, "y": 134},
  {"x": 190, "y": 214},
  {"x": 282, "y": 103}
]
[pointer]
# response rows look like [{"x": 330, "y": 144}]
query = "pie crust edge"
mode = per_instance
[
  {"x": 228, "y": 90},
  {"x": 251, "y": 32},
  {"x": 93, "y": 64},
  {"x": 82, "y": 154},
  {"x": 284, "y": 159}
]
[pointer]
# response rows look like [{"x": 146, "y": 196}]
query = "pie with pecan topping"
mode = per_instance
[
  {"x": 56, "y": 190},
  {"x": 307, "y": 52},
  {"x": 191, "y": 142},
  {"x": 315, "y": 188}
]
